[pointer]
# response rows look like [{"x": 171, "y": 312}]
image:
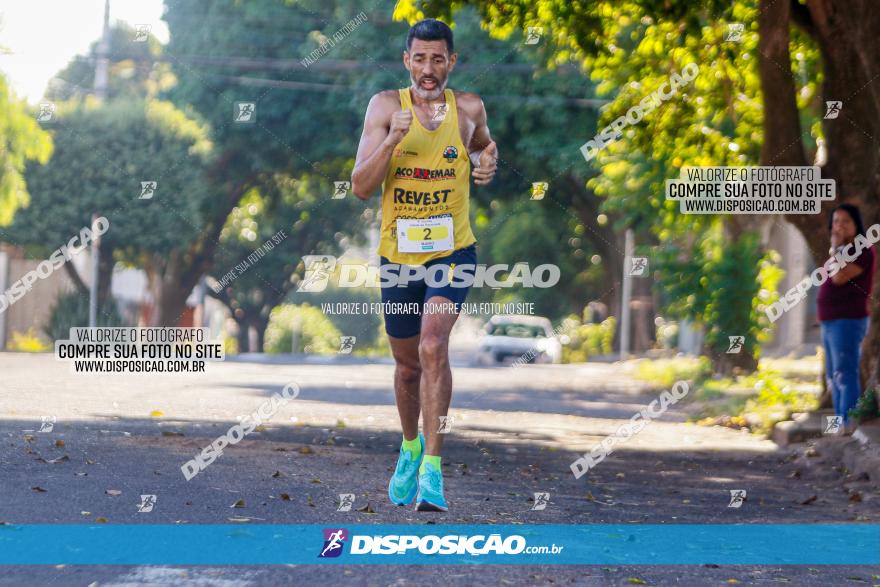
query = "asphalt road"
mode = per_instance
[{"x": 515, "y": 433}]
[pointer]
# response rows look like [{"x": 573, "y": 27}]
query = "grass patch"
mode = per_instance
[
  {"x": 665, "y": 372},
  {"x": 779, "y": 388}
]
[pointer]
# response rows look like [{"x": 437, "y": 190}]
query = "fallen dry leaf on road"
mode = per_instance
[
  {"x": 101, "y": 520},
  {"x": 635, "y": 581},
  {"x": 59, "y": 443},
  {"x": 315, "y": 481},
  {"x": 171, "y": 433},
  {"x": 113, "y": 492},
  {"x": 28, "y": 438},
  {"x": 277, "y": 474},
  {"x": 157, "y": 414},
  {"x": 306, "y": 450},
  {"x": 285, "y": 497},
  {"x": 810, "y": 500},
  {"x": 238, "y": 504},
  {"x": 856, "y": 497},
  {"x": 367, "y": 509},
  {"x": 39, "y": 489}
]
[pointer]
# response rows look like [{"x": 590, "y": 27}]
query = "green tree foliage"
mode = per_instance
[
  {"x": 134, "y": 69},
  {"x": 719, "y": 284},
  {"x": 309, "y": 120},
  {"x": 102, "y": 154},
  {"x": 296, "y": 218},
  {"x": 21, "y": 140},
  {"x": 631, "y": 49},
  {"x": 314, "y": 332}
]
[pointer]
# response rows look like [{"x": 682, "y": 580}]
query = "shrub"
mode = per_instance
[
  {"x": 866, "y": 407},
  {"x": 28, "y": 342},
  {"x": 317, "y": 332},
  {"x": 71, "y": 310},
  {"x": 587, "y": 340},
  {"x": 665, "y": 372}
]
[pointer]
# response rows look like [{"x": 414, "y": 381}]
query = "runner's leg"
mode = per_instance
[
  {"x": 436, "y": 382},
  {"x": 407, "y": 373}
]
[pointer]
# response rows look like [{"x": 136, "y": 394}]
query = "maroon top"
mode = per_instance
[{"x": 849, "y": 300}]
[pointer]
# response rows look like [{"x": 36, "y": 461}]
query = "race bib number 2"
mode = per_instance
[{"x": 425, "y": 235}]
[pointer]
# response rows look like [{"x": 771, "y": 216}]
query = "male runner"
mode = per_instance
[{"x": 419, "y": 143}]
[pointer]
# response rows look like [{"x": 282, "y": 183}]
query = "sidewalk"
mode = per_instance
[{"x": 859, "y": 453}]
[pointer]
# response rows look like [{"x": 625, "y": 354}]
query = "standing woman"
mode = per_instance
[{"x": 843, "y": 302}]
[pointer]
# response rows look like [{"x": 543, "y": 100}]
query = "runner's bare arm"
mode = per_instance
[
  {"x": 384, "y": 128},
  {"x": 482, "y": 149}
]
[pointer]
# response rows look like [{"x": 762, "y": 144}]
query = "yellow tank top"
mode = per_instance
[{"x": 428, "y": 177}]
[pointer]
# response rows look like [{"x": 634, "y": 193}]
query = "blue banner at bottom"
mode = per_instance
[{"x": 600, "y": 544}]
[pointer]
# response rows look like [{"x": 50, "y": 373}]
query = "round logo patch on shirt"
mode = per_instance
[{"x": 450, "y": 153}]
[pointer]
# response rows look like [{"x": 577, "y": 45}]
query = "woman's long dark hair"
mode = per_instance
[{"x": 853, "y": 212}]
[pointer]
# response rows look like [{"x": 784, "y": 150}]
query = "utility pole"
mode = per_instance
[
  {"x": 102, "y": 66},
  {"x": 4, "y": 285},
  {"x": 102, "y": 63},
  {"x": 627, "y": 293},
  {"x": 96, "y": 261}
]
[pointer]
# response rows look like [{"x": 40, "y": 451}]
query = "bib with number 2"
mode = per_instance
[{"x": 425, "y": 235}]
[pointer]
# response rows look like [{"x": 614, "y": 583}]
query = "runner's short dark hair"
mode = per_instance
[
  {"x": 853, "y": 212},
  {"x": 430, "y": 30}
]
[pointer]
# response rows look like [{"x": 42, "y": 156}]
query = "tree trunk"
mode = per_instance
[
  {"x": 848, "y": 35},
  {"x": 728, "y": 364},
  {"x": 243, "y": 337},
  {"x": 169, "y": 301},
  {"x": 105, "y": 275},
  {"x": 604, "y": 239},
  {"x": 78, "y": 283},
  {"x": 260, "y": 326},
  {"x": 181, "y": 270}
]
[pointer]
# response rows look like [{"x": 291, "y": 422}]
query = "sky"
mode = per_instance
[{"x": 39, "y": 37}]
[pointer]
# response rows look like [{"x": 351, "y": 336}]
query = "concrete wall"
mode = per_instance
[{"x": 33, "y": 309}]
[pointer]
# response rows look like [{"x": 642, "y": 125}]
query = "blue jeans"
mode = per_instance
[{"x": 843, "y": 348}]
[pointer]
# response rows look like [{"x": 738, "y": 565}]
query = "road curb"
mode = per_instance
[{"x": 859, "y": 453}]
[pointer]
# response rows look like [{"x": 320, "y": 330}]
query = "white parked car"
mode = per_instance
[{"x": 511, "y": 338}]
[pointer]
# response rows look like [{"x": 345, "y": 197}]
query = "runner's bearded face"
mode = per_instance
[{"x": 429, "y": 64}]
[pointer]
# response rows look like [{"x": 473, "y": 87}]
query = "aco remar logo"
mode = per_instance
[
  {"x": 424, "y": 174},
  {"x": 450, "y": 153}
]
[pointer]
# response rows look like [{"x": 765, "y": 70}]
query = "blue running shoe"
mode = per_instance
[
  {"x": 404, "y": 484},
  {"x": 430, "y": 497}
]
